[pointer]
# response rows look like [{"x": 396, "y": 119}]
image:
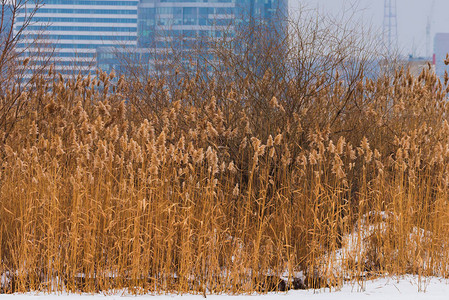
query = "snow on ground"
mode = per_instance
[{"x": 406, "y": 288}]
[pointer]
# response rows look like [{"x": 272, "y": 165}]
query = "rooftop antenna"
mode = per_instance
[{"x": 390, "y": 26}]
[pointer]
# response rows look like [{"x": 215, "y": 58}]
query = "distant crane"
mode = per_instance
[
  {"x": 390, "y": 26},
  {"x": 429, "y": 30}
]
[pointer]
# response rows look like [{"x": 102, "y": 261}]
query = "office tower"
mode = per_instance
[
  {"x": 71, "y": 31},
  {"x": 83, "y": 35},
  {"x": 180, "y": 26},
  {"x": 6, "y": 15}
]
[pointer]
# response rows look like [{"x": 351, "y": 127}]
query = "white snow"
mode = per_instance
[{"x": 404, "y": 288}]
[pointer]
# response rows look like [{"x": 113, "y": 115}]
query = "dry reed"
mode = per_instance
[{"x": 198, "y": 189}]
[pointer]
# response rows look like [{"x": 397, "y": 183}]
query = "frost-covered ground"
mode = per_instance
[{"x": 406, "y": 288}]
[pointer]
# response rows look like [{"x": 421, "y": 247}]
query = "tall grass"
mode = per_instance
[{"x": 208, "y": 192}]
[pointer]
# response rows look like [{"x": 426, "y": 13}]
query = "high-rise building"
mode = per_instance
[
  {"x": 6, "y": 20},
  {"x": 82, "y": 35},
  {"x": 441, "y": 49},
  {"x": 180, "y": 25},
  {"x": 161, "y": 20},
  {"x": 70, "y": 31}
]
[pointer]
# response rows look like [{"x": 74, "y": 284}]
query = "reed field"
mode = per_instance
[
  {"x": 215, "y": 186},
  {"x": 290, "y": 165}
]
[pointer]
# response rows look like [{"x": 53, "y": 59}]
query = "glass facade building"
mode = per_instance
[
  {"x": 72, "y": 30},
  {"x": 162, "y": 21},
  {"x": 82, "y": 35},
  {"x": 178, "y": 26},
  {"x": 6, "y": 13}
]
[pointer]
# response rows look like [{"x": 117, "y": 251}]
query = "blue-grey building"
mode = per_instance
[
  {"x": 160, "y": 20},
  {"x": 72, "y": 30},
  {"x": 441, "y": 49},
  {"x": 123, "y": 61},
  {"x": 6, "y": 15},
  {"x": 179, "y": 29},
  {"x": 82, "y": 35}
]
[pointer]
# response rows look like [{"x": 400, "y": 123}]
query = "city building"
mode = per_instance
[
  {"x": 184, "y": 30},
  {"x": 123, "y": 61},
  {"x": 67, "y": 33},
  {"x": 6, "y": 20},
  {"x": 161, "y": 21},
  {"x": 79, "y": 36},
  {"x": 441, "y": 49}
]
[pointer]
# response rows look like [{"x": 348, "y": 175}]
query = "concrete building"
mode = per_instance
[{"x": 417, "y": 64}]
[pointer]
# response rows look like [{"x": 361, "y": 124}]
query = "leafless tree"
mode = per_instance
[
  {"x": 19, "y": 66},
  {"x": 296, "y": 64}
]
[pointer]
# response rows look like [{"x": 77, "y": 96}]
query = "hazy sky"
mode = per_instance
[{"x": 412, "y": 18}]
